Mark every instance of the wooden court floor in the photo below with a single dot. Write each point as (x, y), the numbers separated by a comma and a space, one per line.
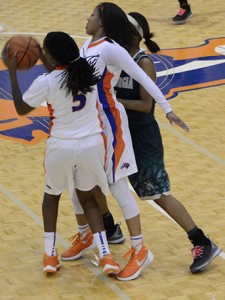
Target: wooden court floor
(195, 162)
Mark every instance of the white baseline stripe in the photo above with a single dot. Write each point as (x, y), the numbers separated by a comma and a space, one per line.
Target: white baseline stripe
(197, 147)
(193, 144)
(157, 207)
(37, 33)
(188, 141)
(152, 203)
(60, 239)
(194, 65)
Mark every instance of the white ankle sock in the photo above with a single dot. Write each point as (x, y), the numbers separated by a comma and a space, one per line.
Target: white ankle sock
(83, 230)
(101, 242)
(136, 242)
(50, 241)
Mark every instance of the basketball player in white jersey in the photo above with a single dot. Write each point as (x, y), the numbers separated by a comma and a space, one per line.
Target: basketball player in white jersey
(75, 149)
(111, 33)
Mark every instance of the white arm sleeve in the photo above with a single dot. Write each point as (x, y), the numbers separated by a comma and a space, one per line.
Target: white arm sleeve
(116, 55)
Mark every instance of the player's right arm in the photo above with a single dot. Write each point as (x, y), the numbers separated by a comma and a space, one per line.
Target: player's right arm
(21, 107)
(116, 55)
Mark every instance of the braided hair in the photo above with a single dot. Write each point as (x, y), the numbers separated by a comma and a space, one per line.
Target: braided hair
(147, 35)
(79, 75)
(116, 24)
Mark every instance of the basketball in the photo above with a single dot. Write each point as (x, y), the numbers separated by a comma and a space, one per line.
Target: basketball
(27, 49)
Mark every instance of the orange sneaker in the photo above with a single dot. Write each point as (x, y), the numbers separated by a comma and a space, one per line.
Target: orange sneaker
(109, 264)
(51, 263)
(138, 261)
(79, 246)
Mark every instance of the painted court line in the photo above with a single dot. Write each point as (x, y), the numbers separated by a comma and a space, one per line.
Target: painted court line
(198, 148)
(38, 220)
(190, 142)
(37, 34)
(157, 207)
(161, 124)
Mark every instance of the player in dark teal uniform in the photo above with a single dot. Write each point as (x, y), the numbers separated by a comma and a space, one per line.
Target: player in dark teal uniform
(184, 13)
(152, 181)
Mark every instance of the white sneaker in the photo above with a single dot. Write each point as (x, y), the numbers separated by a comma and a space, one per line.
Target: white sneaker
(1, 28)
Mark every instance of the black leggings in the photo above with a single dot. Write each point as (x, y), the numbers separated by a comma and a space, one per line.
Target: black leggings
(183, 2)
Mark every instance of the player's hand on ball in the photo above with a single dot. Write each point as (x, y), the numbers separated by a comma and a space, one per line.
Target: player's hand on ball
(27, 51)
(9, 60)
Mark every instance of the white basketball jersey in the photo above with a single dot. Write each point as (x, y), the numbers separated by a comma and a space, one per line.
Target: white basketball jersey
(120, 160)
(109, 73)
(70, 117)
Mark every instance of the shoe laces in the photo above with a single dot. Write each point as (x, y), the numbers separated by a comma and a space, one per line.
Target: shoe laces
(129, 253)
(108, 258)
(132, 251)
(181, 11)
(131, 263)
(50, 258)
(75, 239)
(197, 252)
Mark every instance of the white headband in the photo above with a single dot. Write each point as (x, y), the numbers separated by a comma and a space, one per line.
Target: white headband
(136, 25)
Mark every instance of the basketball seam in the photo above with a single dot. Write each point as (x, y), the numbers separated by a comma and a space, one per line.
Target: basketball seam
(25, 52)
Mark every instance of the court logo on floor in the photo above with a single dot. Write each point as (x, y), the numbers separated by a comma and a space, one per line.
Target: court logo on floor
(178, 70)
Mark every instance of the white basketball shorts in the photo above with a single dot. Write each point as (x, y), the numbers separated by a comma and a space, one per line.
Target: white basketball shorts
(71, 164)
(120, 159)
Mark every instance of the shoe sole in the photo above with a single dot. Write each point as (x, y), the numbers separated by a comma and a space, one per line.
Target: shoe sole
(51, 269)
(147, 262)
(118, 241)
(92, 246)
(184, 21)
(111, 271)
(203, 267)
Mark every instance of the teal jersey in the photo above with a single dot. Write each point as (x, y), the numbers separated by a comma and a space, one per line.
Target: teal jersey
(128, 88)
(151, 180)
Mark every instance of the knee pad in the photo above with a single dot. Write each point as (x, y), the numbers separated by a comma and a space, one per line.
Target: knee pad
(124, 197)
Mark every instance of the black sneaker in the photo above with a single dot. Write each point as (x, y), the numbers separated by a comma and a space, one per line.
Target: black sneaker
(203, 255)
(183, 14)
(117, 237)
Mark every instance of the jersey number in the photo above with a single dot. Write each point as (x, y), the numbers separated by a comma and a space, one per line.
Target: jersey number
(79, 101)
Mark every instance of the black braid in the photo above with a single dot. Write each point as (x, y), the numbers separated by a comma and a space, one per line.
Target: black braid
(78, 76)
(116, 25)
(147, 35)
